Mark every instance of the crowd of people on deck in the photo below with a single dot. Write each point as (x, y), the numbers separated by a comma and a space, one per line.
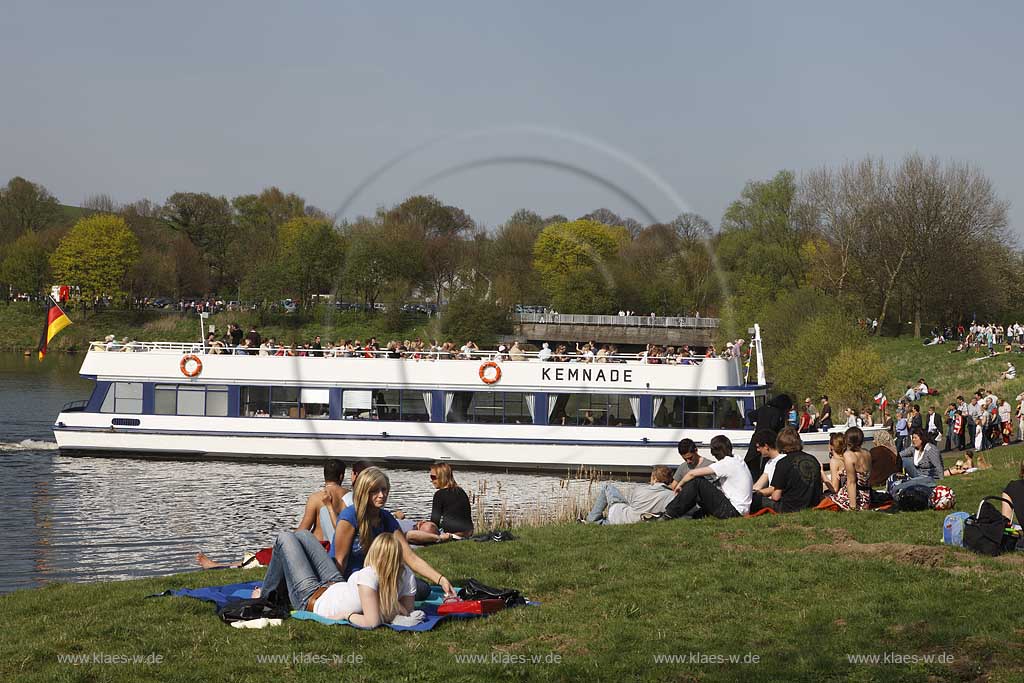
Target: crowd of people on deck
(234, 341)
(351, 558)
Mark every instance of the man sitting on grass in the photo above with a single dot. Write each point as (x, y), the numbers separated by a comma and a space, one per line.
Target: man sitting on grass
(731, 500)
(612, 507)
(691, 460)
(796, 483)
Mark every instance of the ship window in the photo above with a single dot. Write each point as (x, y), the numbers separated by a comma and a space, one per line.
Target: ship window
(493, 407)
(255, 401)
(696, 412)
(316, 403)
(406, 405)
(123, 397)
(190, 399)
(284, 402)
(585, 410)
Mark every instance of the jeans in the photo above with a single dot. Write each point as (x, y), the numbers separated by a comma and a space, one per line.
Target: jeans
(302, 563)
(705, 494)
(608, 494)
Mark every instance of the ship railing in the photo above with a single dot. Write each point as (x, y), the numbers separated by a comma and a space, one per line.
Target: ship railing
(75, 406)
(478, 355)
(685, 322)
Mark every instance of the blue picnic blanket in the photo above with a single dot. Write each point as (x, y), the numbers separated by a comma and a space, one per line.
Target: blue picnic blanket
(221, 595)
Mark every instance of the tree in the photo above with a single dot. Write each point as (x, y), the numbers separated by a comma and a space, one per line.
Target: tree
(575, 264)
(764, 231)
(207, 221)
(311, 256)
(25, 206)
(508, 257)
(443, 230)
(380, 257)
(102, 203)
(853, 376)
(471, 315)
(26, 267)
(95, 256)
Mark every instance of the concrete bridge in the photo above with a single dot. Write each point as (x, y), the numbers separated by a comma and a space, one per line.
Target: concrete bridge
(614, 329)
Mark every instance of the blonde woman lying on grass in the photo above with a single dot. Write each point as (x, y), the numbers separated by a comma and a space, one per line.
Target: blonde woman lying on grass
(381, 592)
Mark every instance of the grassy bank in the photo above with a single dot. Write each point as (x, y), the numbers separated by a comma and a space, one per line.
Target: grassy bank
(21, 324)
(799, 592)
(950, 373)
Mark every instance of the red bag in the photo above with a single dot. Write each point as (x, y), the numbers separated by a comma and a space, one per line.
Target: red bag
(471, 606)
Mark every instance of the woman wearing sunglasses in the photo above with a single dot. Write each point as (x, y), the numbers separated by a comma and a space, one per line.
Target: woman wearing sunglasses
(359, 524)
(450, 511)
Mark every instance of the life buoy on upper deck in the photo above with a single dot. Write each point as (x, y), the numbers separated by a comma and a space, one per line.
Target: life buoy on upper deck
(490, 378)
(191, 361)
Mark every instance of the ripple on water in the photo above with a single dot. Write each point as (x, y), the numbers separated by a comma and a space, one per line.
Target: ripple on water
(89, 519)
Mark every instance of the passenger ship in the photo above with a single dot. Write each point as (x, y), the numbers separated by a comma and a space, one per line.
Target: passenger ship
(183, 400)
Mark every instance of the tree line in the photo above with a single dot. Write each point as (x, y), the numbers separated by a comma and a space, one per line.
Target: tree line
(922, 241)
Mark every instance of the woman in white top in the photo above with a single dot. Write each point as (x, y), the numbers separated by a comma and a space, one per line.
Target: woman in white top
(377, 593)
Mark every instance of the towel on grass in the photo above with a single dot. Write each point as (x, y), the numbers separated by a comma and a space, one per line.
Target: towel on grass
(221, 595)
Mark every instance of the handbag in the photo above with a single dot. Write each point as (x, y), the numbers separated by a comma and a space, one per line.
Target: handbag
(474, 590)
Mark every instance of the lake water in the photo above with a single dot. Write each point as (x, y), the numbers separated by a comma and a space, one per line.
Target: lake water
(89, 519)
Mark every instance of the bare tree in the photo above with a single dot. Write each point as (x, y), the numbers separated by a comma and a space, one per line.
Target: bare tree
(101, 203)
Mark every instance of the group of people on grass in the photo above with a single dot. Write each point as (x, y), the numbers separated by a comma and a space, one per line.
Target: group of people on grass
(783, 478)
(367, 574)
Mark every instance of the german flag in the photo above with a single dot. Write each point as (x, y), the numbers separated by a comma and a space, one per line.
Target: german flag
(56, 320)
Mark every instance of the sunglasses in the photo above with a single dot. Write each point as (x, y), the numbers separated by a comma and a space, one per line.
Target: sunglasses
(433, 477)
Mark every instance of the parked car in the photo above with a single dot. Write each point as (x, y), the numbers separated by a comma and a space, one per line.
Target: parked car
(161, 302)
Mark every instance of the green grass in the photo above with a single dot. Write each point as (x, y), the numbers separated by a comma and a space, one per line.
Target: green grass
(21, 324)
(800, 591)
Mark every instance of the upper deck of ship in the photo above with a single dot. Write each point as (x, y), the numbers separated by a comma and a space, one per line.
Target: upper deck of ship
(161, 362)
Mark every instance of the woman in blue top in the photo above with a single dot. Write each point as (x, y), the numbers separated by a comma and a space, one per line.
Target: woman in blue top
(359, 524)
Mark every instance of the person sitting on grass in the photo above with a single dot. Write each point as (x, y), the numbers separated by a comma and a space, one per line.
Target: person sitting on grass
(796, 483)
(691, 460)
(764, 443)
(852, 485)
(378, 593)
(731, 500)
(450, 509)
(323, 507)
(885, 461)
(1013, 497)
(921, 461)
(614, 507)
(359, 524)
(830, 471)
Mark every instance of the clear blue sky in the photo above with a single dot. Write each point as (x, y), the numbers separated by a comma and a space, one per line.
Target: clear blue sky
(144, 99)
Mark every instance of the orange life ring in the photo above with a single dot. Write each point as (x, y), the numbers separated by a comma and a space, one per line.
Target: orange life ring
(191, 358)
(483, 372)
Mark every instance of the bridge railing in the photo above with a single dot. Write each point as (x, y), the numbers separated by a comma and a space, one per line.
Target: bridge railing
(691, 322)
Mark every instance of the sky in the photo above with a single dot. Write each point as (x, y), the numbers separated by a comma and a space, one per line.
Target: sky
(648, 109)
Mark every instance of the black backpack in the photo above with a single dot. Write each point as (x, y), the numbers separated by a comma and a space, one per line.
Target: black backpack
(983, 532)
(914, 498)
